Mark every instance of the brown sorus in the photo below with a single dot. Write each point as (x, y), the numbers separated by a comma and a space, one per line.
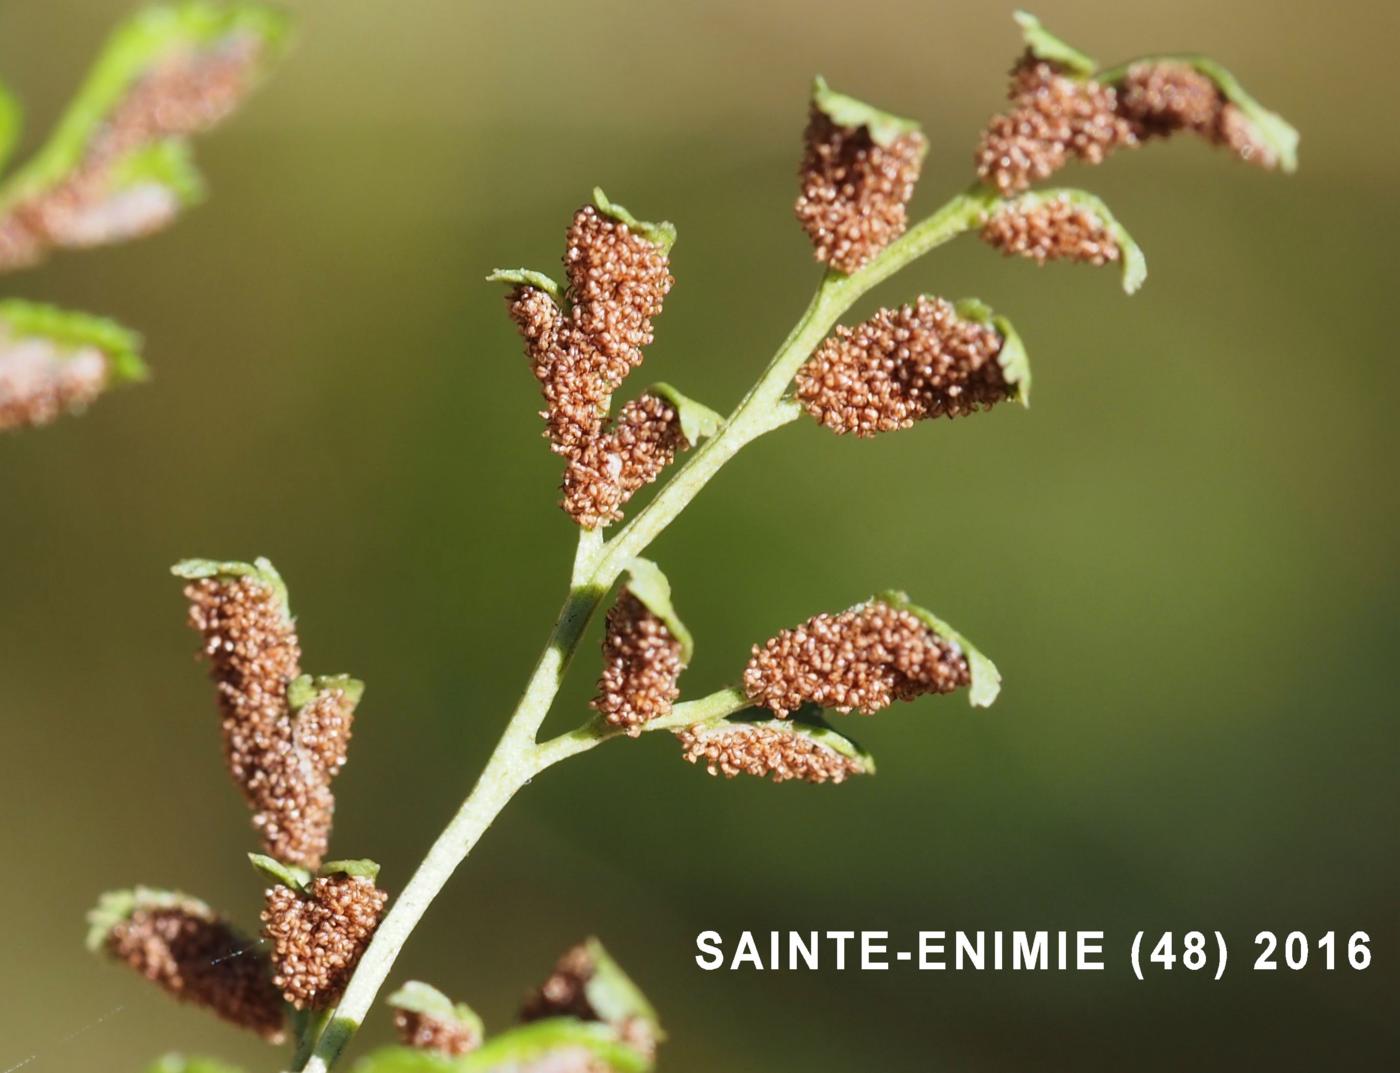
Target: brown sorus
(854, 192)
(1051, 229)
(731, 749)
(641, 666)
(863, 659)
(199, 958)
(1053, 117)
(901, 366)
(319, 936)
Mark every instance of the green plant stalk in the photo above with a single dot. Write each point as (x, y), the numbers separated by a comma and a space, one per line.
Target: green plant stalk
(518, 757)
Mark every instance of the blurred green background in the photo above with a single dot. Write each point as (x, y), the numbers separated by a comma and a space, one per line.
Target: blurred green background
(1182, 557)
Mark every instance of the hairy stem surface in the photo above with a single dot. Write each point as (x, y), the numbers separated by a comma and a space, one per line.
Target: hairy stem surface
(517, 758)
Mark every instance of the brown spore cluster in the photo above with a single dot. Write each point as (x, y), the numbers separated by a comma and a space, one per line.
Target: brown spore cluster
(199, 958)
(40, 380)
(1163, 97)
(641, 666)
(862, 659)
(731, 749)
(1054, 118)
(626, 456)
(282, 760)
(1051, 229)
(565, 994)
(426, 1033)
(855, 192)
(581, 354)
(319, 936)
(186, 93)
(901, 366)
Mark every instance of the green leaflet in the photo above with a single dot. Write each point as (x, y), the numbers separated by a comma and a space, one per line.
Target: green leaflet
(407, 1060)
(168, 163)
(298, 878)
(362, 867)
(176, 1063)
(533, 1041)
(11, 123)
(418, 997)
(529, 277)
(698, 421)
(516, 1049)
(115, 906)
(71, 330)
(649, 585)
(138, 46)
(1046, 46)
(288, 875)
(662, 234)
(885, 129)
(1014, 361)
(260, 570)
(986, 679)
(613, 995)
(302, 691)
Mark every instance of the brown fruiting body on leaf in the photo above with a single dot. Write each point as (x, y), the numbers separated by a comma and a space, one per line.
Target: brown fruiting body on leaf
(618, 281)
(199, 958)
(40, 380)
(641, 666)
(1162, 98)
(1054, 117)
(425, 1033)
(1236, 131)
(318, 938)
(254, 653)
(862, 659)
(565, 994)
(322, 728)
(902, 366)
(282, 762)
(1051, 230)
(621, 461)
(854, 192)
(186, 94)
(731, 749)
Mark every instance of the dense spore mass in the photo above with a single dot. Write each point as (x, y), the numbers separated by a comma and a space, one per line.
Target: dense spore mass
(185, 94)
(625, 456)
(41, 380)
(199, 958)
(426, 1033)
(732, 749)
(862, 659)
(901, 366)
(1054, 117)
(581, 353)
(641, 666)
(1162, 97)
(1051, 229)
(565, 994)
(319, 936)
(282, 760)
(855, 192)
